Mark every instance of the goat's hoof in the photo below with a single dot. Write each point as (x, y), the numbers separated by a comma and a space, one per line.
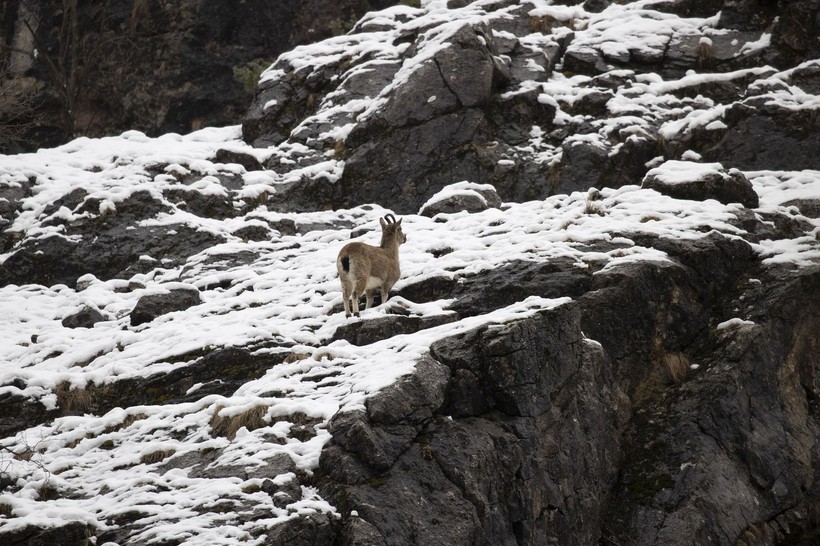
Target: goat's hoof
(355, 314)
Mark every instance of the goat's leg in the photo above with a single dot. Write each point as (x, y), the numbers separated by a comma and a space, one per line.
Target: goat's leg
(346, 298)
(358, 290)
(369, 298)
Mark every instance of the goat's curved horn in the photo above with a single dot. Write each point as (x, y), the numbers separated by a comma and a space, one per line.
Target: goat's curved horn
(390, 219)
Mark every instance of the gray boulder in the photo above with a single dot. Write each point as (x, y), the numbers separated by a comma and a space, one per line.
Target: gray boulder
(86, 317)
(697, 181)
(155, 305)
(462, 196)
(766, 134)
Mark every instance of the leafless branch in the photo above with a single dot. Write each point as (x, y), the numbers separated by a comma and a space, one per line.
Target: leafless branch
(19, 114)
(70, 57)
(29, 454)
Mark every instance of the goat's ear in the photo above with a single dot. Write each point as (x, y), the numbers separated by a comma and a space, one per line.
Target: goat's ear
(399, 222)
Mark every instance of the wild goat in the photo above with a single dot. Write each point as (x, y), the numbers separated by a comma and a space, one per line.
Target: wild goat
(364, 268)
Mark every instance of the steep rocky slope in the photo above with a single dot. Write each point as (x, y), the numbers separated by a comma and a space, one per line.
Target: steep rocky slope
(606, 331)
(410, 104)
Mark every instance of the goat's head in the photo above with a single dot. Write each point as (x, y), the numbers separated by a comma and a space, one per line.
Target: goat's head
(391, 230)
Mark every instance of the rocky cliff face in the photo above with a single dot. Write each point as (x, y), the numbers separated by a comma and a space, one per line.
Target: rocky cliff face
(144, 64)
(606, 331)
(484, 102)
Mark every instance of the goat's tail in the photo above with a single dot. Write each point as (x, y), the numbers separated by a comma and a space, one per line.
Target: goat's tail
(346, 264)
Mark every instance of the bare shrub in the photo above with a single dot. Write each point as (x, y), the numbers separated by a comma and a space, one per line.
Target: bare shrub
(24, 461)
(18, 110)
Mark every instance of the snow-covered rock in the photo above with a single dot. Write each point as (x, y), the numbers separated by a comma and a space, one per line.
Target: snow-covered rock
(699, 181)
(413, 99)
(461, 196)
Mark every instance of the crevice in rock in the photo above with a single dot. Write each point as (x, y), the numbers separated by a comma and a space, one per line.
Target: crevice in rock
(449, 87)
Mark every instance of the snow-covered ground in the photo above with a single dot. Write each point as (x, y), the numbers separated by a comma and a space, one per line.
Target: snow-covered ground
(287, 295)
(287, 299)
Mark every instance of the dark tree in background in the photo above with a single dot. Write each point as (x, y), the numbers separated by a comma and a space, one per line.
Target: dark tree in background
(97, 67)
(50, 53)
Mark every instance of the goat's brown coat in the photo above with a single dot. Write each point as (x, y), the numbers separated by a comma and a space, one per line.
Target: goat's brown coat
(365, 268)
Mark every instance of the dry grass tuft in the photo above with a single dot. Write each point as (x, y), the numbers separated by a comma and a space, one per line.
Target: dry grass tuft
(127, 422)
(131, 419)
(251, 419)
(24, 455)
(73, 401)
(47, 492)
(323, 355)
(594, 207)
(157, 456)
(675, 367)
(340, 149)
(541, 23)
(554, 177)
(663, 144)
(295, 357)
(705, 53)
(260, 199)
